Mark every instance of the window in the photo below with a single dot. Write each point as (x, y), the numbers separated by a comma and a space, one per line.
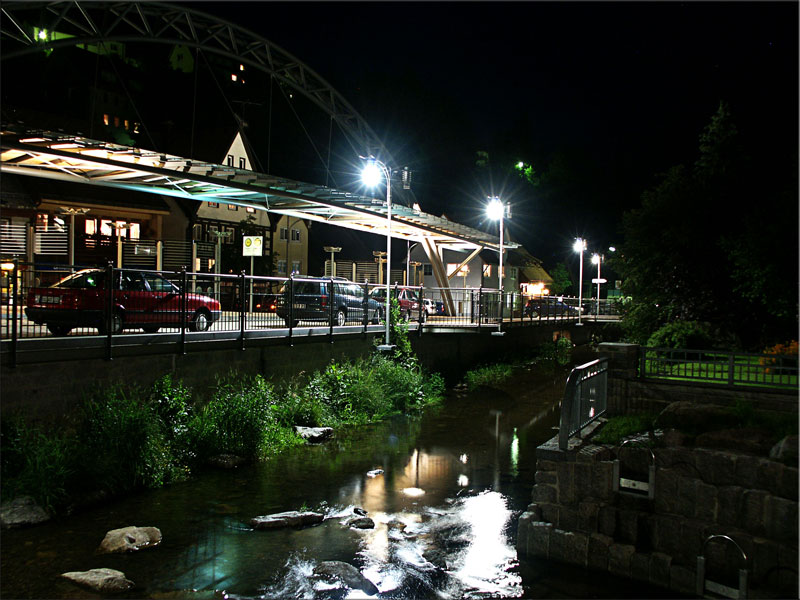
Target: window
(197, 233)
(295, 267)
(487, 270)
(283, 233)
(513, 272)
(427, 269)
(295, 235)
(281, 267)
(242, 163)
(106, 119)
(116, 121)
(232, 207)
(230, 160)
(159, 284)
(250, 209)
(213, 205)
(91, 226)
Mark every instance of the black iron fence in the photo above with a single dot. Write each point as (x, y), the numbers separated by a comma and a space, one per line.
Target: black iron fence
(585, 399)
(714, 366)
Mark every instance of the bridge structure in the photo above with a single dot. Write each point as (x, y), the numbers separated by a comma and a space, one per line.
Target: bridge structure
(31, 27)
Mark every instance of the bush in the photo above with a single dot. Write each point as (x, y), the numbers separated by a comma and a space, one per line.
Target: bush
(35, 463)
(618, 428)
(692, 335)
(489, 375)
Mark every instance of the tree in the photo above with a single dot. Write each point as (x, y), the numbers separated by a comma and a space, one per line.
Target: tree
(561, 279)
(232, 259)
(696, 249)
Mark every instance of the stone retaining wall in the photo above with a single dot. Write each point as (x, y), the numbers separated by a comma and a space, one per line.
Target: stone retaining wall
(576, 517)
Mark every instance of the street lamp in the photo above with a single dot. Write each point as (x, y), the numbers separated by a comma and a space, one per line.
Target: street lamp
(371, 176)
(65, 210)
(579, 246)
(596, 260)
(333, 250)
(496, 209)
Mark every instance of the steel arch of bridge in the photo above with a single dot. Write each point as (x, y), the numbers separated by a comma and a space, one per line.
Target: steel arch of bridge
(159, 22)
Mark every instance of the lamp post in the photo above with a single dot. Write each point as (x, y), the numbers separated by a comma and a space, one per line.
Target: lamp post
(496, 209)
(120, 227)
(333, 250)
(579, 246)
(409, 247)
(371, 175)
(596, 260)
(220, 235)
(72, 212)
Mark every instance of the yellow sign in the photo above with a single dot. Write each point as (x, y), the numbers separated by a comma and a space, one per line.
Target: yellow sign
(252, 245)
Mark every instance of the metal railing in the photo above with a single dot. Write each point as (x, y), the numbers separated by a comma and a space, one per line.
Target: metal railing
(585, 399)
(713, 366)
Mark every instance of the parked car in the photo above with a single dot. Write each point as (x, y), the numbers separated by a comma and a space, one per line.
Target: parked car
(407, 298)
(313, 301)
(549, 306)
(433, 307)
(141, 299)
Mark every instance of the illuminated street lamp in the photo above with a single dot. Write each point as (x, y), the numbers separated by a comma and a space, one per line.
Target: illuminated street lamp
(496, 209)
(596, 260)
(371, 176)
(333, 250)
(579, 246)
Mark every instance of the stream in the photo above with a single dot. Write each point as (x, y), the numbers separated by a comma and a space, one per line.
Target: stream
(445, 491)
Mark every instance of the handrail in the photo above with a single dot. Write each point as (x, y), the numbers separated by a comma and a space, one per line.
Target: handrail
(578, 408)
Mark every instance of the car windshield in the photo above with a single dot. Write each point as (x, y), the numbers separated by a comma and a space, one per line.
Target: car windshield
(88, 280)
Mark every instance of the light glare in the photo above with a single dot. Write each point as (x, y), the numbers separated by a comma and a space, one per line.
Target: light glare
(494, 210)
(371, 174)
(579, 245)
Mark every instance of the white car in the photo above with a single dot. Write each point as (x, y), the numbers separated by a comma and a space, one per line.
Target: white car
(429, 306)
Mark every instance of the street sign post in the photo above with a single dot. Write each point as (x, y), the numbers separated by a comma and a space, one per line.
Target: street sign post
(252, 245)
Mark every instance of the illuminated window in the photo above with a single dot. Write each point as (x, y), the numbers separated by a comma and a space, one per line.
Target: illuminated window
(127, 124)
(135, 127)
(106, 119)
(106, 228)
(233, 77)
(232, 207)
(295, 267)
(250, 209)
(487, 270)
(91, 226)
(241, 67)
(213, 205)
(242, 163)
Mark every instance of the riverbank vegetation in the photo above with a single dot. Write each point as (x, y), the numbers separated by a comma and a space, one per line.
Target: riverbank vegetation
(129, 437)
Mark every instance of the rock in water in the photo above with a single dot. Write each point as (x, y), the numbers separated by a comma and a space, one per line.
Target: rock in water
(101, 580)
(347, 574)
(22, 511)
(290, 518)
(128, 539)
(361, 523)
(314, 435)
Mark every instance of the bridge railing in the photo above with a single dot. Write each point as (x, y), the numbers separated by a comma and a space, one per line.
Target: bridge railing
(585, 399)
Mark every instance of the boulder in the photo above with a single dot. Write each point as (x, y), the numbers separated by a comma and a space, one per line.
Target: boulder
(101, 580)
(129, 539)
(291, 518)
(347, 574)
(785, 450)
(753, 441)
(361, 523)
(696, 418)
(226, 461)
(359, 511)
(22, 511)
(314, 435)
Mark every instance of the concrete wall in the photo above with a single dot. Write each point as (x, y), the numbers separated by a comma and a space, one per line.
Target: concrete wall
(48, 389)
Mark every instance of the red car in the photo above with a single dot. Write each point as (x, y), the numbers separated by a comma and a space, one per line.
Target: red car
(142, 299)
(406, 298)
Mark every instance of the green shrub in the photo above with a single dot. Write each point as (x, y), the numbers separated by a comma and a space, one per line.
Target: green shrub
(618, 428)
(488, 375)
(692, 335)
(123, 442)
(35, 463)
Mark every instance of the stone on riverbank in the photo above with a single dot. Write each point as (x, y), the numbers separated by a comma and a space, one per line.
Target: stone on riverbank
(314, 435)
(361, 523)
(347, 574)
(130, 539)
(696, 418)
(101, 580)
(291, 518)
(786, 450)
(22, 511)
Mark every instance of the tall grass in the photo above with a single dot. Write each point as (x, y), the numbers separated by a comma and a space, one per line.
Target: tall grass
(124, 438)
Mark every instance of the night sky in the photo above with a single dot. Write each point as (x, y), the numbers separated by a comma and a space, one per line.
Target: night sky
(625, 87)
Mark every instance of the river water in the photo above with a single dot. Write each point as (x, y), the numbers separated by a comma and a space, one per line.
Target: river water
(444, 490)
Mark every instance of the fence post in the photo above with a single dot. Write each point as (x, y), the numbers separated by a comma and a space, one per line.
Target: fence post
(331, 302)
(422, 308)
(480, 306)
(642, 361)
(290, 281)
(14, 307)
(184, 306)
(109, 316)
(365, 308)
(242, 305)
(731, 365)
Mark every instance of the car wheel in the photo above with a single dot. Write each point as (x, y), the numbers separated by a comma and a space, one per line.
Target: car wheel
(201, 321)
(117, 324)
(57, 329)
(341, 318)
(150, 328)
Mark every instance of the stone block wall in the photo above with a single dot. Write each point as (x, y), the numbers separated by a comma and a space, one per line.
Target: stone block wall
(576, 517)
